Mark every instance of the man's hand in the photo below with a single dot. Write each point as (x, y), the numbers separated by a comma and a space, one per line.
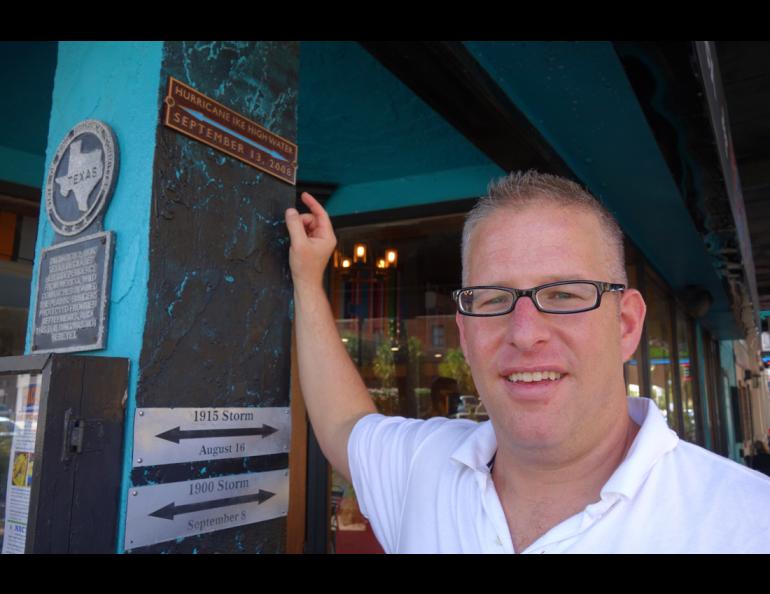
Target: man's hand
(312, 243)
(334, 393)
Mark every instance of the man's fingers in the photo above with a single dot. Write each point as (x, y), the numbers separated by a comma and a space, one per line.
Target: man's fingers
(295, 225)
(312, 242)
(314, 206)
(306, 226)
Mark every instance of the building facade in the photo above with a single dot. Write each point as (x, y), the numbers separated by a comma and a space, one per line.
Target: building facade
(398, 140)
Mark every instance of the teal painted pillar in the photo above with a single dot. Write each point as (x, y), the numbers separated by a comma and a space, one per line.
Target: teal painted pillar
(201, 294)
(704, 389)
(728, 378)
(116, 83)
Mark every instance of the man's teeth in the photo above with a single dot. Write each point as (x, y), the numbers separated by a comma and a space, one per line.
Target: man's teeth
(533, 376)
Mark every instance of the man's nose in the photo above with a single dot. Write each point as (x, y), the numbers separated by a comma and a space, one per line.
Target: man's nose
(526, 325)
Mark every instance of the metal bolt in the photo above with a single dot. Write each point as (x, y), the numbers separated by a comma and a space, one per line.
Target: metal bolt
(134, 493)
(139, 461)
(141, 413)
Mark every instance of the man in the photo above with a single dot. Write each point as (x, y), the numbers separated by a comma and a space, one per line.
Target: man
(567, 463)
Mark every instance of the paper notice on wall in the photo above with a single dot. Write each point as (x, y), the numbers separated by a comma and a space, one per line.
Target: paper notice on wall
(21, 463)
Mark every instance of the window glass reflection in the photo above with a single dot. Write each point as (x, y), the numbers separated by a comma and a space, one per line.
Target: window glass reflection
(686, 379)
(396, 317)
(19, 409)
(660, 353)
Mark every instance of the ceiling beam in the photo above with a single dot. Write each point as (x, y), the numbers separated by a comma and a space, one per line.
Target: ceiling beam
(448, 78)
(712, 84)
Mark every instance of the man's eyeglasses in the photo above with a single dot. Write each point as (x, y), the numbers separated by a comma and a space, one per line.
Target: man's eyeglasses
(563, 297)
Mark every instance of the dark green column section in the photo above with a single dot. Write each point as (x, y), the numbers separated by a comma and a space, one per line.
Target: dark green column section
(218, 330)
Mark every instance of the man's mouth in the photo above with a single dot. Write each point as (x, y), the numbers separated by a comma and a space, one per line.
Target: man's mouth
(533, 376)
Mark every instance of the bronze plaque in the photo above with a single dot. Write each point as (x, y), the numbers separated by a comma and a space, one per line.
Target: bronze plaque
(210, 122)
(72, 297)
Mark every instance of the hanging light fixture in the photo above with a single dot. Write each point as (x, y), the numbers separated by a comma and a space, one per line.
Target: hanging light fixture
(361, 257)
(359, 253)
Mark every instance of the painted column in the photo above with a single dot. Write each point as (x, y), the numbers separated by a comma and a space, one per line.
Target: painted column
(704, 387)
(201, 296)
(729, 380)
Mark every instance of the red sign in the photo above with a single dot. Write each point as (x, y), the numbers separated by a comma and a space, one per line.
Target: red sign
(211, 123)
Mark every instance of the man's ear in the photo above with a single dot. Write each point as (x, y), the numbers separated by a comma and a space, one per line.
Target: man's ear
(632, 312)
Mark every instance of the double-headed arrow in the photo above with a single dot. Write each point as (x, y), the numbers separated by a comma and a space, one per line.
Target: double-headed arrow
(171, 510)
(176, 434)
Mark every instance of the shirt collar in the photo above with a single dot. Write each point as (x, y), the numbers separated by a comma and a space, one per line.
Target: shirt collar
(653, 441)
(478, 449)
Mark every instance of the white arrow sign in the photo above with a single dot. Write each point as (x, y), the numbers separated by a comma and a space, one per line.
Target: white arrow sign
(158, 513)
(173, 435)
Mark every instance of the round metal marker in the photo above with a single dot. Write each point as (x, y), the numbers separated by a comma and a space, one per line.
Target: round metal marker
(81, 177)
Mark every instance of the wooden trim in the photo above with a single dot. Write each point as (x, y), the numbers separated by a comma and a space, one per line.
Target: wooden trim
(28, 193)
(404, 214)
(295, 537)
(19, 206)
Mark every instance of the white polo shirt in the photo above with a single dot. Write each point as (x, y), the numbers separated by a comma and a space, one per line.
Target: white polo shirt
(426, 487)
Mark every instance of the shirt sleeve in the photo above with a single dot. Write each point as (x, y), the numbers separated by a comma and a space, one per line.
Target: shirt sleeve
(380, 454)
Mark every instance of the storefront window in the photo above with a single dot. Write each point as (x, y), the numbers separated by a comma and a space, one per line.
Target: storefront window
(687, 379)
(17, 252)
(660, 344)
(391, 289)
(19, 409)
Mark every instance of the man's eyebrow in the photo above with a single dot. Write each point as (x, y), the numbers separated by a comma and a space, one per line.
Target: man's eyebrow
(555, 278)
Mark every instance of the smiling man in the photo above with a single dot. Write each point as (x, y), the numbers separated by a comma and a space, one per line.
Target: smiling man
(567, 463)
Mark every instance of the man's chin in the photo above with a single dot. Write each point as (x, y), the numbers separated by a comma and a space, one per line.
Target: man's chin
(528, 433)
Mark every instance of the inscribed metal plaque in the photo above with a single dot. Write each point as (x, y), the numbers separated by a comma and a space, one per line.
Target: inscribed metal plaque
(81, 177)
(72, 295)
(173, 435)
(158, 513)
(200, 117)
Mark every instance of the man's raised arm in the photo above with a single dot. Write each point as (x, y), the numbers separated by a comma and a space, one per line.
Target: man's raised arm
(335, 395)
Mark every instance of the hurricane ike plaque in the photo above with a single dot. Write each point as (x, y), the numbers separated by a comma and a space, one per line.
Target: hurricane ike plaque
(72, 295)
(200, 117)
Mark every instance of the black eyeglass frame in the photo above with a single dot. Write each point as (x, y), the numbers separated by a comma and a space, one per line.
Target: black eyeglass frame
(601, 289)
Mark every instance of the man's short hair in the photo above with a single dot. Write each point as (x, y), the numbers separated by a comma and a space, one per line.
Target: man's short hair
(523, 189)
